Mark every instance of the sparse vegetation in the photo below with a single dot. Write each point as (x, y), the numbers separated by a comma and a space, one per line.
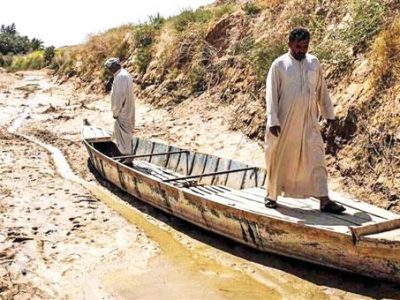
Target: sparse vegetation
(223, 10)
(385, 57)
(251, 8)
(367, 17)
(187, 17)
(32, 61)
(144, 36)
(197, 79)
(49, 54)
(64, 62)
(143, 58)
(87, 61)
(263, 56)
(156, 20)
(5, 60)
(245, 46)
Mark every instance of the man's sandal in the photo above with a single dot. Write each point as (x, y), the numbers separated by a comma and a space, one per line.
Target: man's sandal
(333, 207)
(270, 203)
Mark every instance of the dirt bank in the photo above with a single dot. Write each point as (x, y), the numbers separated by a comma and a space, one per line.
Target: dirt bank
(57, 240)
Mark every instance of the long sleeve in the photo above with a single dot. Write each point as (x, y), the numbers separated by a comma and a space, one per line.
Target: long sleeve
(272, 96)
(323, 99)
(118, 95)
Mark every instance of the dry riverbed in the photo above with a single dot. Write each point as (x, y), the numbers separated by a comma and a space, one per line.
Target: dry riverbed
(80, 238)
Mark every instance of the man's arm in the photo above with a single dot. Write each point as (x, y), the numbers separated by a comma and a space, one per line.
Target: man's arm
(272, 100)
(323, 99)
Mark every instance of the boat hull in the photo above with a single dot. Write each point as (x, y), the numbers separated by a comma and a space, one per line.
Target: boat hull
(263, 232)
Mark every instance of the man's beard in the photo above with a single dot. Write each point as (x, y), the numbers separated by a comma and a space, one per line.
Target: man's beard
(299, 56)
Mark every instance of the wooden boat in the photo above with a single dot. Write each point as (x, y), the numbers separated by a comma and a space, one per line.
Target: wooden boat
(226, 197)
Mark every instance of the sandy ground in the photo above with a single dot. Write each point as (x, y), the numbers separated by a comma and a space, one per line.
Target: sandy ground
(80, 238)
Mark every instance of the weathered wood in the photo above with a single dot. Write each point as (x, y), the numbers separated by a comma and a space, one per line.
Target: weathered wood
(93, 134)
(209, 174)
(362, 206)
(357, 232)
(354, 216)
(149, 155)
(296, 229)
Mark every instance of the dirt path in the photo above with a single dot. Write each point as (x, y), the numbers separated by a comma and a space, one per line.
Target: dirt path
(57, 240)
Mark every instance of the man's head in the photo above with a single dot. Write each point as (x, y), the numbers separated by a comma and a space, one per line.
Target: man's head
(112, 64)
(299, 39)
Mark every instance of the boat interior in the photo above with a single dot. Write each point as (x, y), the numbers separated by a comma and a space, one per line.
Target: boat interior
(242, 186)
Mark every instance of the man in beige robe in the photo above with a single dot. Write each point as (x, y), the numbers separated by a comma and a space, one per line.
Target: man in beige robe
(296, 96)
(122, 106)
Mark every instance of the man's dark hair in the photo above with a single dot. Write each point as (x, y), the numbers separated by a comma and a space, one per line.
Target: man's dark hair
(299, 34)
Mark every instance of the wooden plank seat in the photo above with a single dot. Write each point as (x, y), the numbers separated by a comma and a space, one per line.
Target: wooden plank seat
(96, 135)
(161, 173)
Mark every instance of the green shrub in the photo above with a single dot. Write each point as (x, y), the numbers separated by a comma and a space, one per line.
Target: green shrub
(222, 10)
(197, 78)
(156, 21)
(143, 58)
(188, 17)
(64, 62)
(366, 20)
(122, 51)
(5, 60)
(245, 46)
(36, 44)
(49, 54)
(251, 9)
(144, 35)
(32, 61)
(263, 56)
(368, 15)
(172, 73)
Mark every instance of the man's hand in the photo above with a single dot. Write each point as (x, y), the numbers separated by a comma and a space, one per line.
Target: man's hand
(330, 122)
(275, 130)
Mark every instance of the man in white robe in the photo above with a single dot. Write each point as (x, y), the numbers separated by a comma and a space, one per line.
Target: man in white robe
(296, 96)
(122, 106)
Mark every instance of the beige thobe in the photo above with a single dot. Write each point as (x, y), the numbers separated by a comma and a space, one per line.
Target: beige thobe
(296, 95)
(123, 109)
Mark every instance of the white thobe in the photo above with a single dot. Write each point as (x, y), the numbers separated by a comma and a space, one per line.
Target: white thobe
(123, 109)
(296, 95)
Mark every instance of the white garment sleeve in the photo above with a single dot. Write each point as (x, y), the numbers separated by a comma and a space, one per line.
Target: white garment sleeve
(323, 99)
(118, 95)
(272, 96)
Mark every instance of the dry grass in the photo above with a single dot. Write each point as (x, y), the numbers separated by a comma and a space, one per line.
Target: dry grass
(32, 61)
(86, 61)
(385, 57)
(113, 43)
